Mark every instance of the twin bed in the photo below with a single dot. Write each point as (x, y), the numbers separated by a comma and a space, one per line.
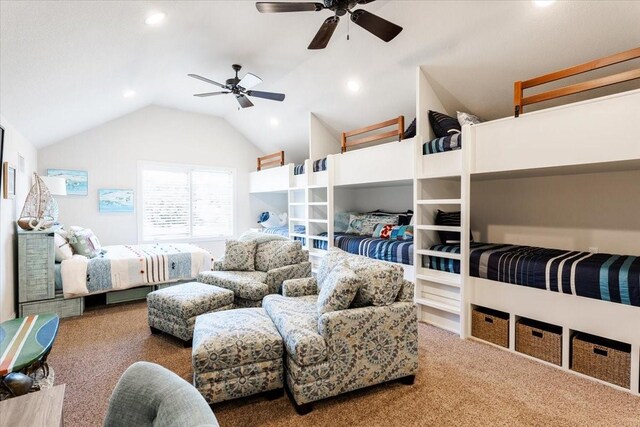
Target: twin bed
(123, 267)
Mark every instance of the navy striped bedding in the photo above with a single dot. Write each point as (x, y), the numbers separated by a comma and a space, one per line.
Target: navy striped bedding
(382, 249)
(441, 145)
(614, 278)
(318, 166)
(284, 230)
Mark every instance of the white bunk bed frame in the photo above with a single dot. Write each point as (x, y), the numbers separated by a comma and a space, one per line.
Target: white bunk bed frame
(510, 147)
(311, 194)
(516, 147)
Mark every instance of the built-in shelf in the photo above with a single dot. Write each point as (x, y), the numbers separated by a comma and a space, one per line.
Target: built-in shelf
(451, 280)
(323, 238)
(297, 204)
(439, 202)
(318, 204)
(438, 305)
(438, 254)
(304, 236)
(438, 228)
(297, 219)
(319, 221)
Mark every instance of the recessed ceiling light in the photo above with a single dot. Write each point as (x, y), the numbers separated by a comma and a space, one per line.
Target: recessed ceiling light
(543, 3)
(129, 93)
(274, 122)
(353, 86)
(155, 18)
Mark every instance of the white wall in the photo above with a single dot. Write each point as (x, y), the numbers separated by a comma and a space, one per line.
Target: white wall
(572, 212)
(14, 145)
(110, 153)
(365, 199)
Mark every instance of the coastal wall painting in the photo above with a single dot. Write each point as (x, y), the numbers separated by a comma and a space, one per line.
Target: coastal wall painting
(77, 181)
(115, 200)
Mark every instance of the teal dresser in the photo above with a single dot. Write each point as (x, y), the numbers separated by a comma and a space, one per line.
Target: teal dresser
(36, 277)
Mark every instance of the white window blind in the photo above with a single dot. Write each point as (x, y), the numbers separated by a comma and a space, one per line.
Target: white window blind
(180, 202)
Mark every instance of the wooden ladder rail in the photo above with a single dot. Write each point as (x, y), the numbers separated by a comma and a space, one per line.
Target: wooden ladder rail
(272, 159)
(399, 132)
(519, 100)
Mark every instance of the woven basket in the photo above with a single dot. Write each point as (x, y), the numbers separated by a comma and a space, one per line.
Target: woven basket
(603, 359)
(540, 340)
(490, 325)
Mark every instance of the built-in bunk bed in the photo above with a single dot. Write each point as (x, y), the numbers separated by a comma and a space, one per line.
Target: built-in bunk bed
(578, 296)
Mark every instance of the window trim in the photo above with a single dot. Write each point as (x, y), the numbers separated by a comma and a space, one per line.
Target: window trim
(182, 167)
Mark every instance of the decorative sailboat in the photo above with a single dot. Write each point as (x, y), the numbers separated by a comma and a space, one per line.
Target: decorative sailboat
(40, 210)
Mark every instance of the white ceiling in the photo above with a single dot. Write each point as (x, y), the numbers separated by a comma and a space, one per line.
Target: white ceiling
(64, 65)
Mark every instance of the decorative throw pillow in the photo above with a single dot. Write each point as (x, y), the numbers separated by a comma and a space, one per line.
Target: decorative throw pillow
(341, 221)
(365, 223)
(442, 124)
(467, 119)
(401, 232)
(287, 253)
(404, 218)
(84, 242)
(411, 130)
(382, 231)
(338, 289)
(62, 247)
(450, 219)
(333, 257)
(239, 256)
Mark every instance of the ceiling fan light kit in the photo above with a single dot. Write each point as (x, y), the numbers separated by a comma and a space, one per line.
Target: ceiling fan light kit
(240, 88)
(376, 25)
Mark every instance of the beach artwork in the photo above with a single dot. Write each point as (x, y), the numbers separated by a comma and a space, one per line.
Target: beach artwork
(77, 181)
(115, 200)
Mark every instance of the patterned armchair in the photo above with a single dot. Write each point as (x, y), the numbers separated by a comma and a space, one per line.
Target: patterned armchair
(276, 259)
(372, 340)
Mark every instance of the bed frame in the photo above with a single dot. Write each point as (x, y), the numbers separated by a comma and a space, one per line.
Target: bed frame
(273, 159)
(518, 91)
(397, 132)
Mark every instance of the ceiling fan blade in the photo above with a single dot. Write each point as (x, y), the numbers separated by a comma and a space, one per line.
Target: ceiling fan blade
(266, 95)
(277, 6)
(244, 101)
(204, 79)
(321, 40)
(210, 94)
(377, 26)
(249, 81)
(365, 1)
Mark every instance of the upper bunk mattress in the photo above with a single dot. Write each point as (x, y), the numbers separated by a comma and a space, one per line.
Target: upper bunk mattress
(318, 166)
(442, 145)
(614, 278)
(400, 251)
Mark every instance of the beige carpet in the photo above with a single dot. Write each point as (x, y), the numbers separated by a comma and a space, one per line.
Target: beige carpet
(460, 383)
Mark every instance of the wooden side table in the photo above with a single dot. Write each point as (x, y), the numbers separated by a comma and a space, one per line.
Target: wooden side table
(42, 408)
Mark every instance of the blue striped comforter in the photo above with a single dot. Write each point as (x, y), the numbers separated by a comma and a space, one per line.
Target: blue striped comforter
(614, 278)
(381, 249)
(441, 145)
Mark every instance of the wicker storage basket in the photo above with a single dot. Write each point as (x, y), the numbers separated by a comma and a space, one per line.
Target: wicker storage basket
(602, 358)
(490, 325)
(540, 340)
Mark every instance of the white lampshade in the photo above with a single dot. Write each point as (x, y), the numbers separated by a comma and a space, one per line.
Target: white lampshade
(57, 186)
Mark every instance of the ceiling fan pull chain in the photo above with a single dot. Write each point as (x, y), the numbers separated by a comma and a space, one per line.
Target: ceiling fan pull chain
(348, 28)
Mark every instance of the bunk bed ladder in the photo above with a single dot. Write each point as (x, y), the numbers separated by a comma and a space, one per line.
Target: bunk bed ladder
(440, 295)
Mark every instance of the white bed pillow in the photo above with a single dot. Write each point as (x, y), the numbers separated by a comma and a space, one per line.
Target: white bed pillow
(62, 246)
(467, 119)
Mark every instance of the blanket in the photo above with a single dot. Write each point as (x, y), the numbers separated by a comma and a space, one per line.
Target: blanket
(127, 266)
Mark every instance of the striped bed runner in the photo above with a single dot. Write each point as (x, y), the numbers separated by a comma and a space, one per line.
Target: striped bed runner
(25, 340)
(154, 263)
(607, 277)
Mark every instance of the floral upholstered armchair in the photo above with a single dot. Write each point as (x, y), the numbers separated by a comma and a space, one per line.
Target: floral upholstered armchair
(256, 265)
(353, 326)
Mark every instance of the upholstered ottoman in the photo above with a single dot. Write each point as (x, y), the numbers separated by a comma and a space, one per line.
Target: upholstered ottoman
(237, 353)
(174, 309)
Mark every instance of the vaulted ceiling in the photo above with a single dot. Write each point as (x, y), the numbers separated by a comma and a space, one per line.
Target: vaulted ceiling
(64, 65)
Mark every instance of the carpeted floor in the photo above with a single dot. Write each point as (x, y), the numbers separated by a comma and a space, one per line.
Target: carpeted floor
(460, 383)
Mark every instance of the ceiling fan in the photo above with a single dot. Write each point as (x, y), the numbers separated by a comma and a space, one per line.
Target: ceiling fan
(377, 26)
(239, 88)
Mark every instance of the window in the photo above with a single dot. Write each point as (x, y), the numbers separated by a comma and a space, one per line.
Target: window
(185, 202)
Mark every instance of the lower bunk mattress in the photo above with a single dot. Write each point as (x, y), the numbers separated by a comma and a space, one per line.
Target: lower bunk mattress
(399, 251)
(614, 278)
(127, 266)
